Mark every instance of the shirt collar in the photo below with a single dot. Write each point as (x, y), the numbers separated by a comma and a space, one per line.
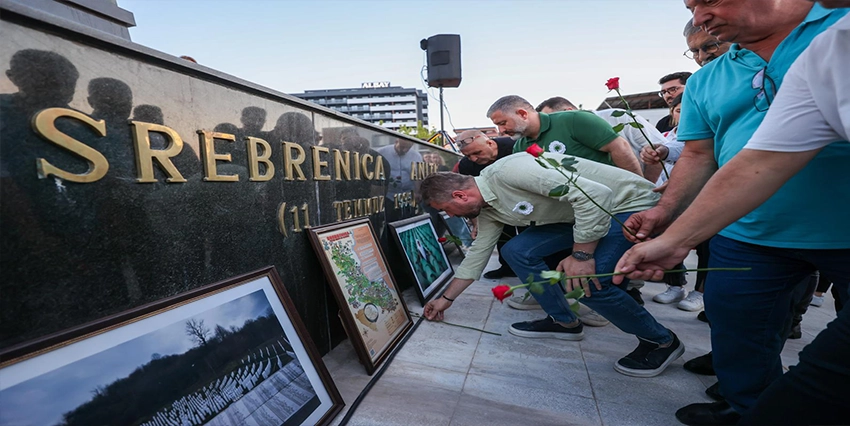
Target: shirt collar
(485, 190)
(544, 124)
(816, 13)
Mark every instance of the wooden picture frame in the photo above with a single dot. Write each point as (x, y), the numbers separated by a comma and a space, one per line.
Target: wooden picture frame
(371, 307)
(428, 266)
(231, 352)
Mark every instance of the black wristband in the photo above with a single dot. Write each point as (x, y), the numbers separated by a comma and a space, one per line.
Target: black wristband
(444, 297)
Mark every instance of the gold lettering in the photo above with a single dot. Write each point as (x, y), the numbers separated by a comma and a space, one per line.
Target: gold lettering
(318, 163)
(342, 164)
(44, 124)
(364, 162)
(305, 210)
(210, 156)
(254, 160)
(145, 155)
(291, 163)
(356, 166)
(379, 174)
(338, 206)
(359, 207)
(381, 201)
(295, 219)
(421, 170)
(281, 219)
(347, 209)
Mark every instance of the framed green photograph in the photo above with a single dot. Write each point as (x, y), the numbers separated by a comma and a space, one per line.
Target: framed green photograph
(427, 262)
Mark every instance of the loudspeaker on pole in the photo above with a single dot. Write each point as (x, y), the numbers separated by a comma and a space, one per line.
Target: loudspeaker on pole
(443, 53)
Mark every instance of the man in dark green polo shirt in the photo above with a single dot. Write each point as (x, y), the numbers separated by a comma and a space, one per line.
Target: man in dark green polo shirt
(578, 133)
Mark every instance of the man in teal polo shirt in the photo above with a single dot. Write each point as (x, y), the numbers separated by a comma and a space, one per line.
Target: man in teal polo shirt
(578, 133)
(801, 228)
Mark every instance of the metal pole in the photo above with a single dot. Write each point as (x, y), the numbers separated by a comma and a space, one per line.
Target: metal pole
(442, 126)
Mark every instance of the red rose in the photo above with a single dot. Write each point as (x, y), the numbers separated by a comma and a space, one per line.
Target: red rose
(442, 239)
(502, 292)
(535, 150)
(613, 83)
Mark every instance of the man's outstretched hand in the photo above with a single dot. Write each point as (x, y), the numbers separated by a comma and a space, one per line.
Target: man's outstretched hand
(649, 260)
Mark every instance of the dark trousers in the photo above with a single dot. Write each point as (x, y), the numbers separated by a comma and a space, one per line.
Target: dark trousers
(508, 232)
(813, 392)
(750, 310)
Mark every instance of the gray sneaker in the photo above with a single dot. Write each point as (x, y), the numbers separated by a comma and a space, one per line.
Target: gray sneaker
(590, 317)
(524, 302)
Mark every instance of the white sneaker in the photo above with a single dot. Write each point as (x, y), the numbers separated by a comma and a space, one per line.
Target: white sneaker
(817, 301)
(691, 303)
(523, 302)
(671, 295)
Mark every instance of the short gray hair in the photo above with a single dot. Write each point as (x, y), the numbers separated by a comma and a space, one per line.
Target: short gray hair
(509, 103)
(439, 186)
(690, 29)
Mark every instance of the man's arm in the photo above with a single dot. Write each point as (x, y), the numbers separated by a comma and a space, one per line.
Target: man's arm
(622, 155)
(435, 308)
(692, 171)
(743, 184)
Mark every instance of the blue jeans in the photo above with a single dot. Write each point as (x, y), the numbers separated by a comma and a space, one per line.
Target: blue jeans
(525, 254)
(749, 311)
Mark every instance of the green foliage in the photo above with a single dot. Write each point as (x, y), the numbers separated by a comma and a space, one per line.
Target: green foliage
(560, 190)
(636, 125)
(536, 288)
(575, 294)
(619, 128)
(618, 113)
(568, 162)
(420, 132)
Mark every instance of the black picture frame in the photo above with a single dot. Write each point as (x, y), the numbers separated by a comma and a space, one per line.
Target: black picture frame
(232, 351)
(372, 310)
(427, 263)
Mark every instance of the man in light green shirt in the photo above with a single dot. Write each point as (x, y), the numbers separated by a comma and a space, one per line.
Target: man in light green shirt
(515, 191)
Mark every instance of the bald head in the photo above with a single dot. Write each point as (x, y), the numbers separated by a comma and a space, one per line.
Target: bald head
(476, 146)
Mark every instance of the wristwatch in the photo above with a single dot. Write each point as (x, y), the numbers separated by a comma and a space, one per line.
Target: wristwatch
(582, 255)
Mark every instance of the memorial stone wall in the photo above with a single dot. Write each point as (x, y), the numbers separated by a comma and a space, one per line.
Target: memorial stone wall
(128, 176)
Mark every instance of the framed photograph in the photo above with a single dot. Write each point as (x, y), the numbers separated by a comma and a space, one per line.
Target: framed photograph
(427, 262)
(372, 310)
(234, 352)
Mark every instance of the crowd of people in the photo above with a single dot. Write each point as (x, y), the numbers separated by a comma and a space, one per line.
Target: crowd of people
(758, 136)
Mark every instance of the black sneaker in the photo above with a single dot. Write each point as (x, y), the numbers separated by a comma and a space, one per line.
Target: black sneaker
(703, 365)
(702, 317)
(649, 359)
(547, 328)
(502, 272)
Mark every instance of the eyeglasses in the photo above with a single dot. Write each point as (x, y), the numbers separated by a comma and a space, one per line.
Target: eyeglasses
(707, 48)
(766, 90)
(672, 91)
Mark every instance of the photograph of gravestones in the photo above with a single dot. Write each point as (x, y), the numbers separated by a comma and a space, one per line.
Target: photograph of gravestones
(424, 253)
(229, 365)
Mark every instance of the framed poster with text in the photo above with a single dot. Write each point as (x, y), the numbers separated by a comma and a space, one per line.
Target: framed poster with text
(372, 310)
(234, 352)
(427, 263)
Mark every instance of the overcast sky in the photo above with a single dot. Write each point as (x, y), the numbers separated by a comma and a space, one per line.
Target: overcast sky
(533, 48)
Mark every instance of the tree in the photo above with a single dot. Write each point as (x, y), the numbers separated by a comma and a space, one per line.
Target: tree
(197, 331)
(420, 132)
